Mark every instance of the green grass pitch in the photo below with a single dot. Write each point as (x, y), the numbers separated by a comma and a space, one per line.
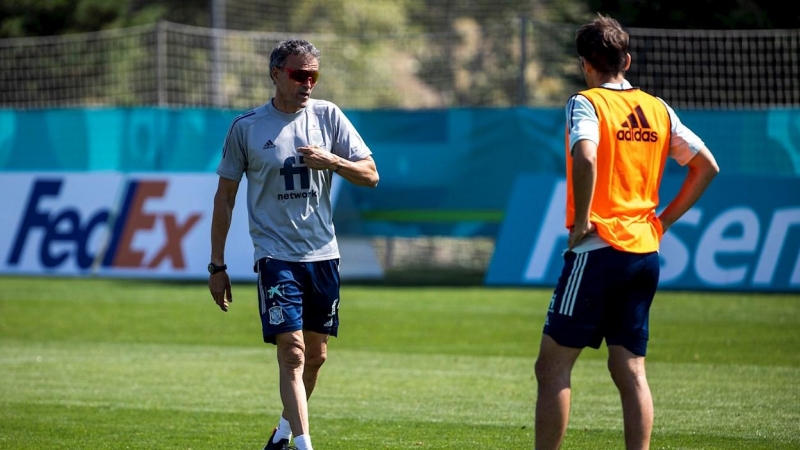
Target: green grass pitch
(124, 364)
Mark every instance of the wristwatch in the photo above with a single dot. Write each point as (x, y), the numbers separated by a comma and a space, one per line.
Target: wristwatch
(213, 268)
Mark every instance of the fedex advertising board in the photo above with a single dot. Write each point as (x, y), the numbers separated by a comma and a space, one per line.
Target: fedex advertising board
(109, 224)
(55, 223)
(743, 235)
(134, 225)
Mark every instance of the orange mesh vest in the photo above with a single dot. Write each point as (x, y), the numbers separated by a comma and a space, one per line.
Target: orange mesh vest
(634, 143)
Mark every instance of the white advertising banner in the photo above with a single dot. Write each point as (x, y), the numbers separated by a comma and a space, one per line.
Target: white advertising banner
(152, 225)
(55, 223)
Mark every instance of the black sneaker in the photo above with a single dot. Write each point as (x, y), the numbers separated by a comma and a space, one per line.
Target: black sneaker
(283, 444)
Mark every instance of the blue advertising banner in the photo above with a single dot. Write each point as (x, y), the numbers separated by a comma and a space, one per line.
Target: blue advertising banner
(743, 235)
(444, 172)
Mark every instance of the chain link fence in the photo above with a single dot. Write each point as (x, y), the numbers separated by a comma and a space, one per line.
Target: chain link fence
(510, 62)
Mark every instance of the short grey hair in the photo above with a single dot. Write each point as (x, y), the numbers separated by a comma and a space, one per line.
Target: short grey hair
(283, 49)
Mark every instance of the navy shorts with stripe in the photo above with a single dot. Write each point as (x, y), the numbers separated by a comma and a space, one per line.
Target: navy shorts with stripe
(296, 296)
(604, 294)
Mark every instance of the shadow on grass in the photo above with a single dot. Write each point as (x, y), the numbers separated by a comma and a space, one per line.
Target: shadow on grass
(424, 277)
(396, 277)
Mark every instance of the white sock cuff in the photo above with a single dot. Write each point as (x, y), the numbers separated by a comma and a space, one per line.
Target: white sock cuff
(303, 442)
(284, 430)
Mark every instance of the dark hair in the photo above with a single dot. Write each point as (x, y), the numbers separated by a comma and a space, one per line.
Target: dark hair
(604, 44)
(283, 49)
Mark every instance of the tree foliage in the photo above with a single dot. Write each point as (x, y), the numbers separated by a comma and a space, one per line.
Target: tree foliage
(411, 53)
(712, 14)
(22, 18)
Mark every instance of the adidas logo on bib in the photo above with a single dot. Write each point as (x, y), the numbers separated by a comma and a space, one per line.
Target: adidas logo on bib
(637, 128)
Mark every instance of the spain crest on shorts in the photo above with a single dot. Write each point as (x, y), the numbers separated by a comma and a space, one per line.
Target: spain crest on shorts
(276, 315)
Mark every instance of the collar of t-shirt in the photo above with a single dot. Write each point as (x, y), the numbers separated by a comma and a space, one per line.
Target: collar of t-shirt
(285, 116)
(618, 86)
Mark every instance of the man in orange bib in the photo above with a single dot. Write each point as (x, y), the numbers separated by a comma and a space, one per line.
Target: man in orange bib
(618, 141)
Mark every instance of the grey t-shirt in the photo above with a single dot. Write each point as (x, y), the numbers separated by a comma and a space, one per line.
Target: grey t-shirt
(289, 204)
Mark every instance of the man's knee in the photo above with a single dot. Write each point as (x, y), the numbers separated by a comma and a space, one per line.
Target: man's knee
(316, 359)
(555, 361)
(627, 369)
(316, 348)
(543, 370)
(291, 350)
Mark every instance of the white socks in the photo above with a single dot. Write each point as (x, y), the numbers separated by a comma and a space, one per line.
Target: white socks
(284, 430)
(303, 442)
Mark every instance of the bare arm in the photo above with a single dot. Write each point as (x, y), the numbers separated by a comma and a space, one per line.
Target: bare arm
(361, 173)
(584, 177)
(219, 283)
(702, 169)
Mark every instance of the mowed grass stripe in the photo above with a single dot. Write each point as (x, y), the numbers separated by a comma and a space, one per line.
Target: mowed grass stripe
(363, 386)
(222, 379)
(134, 364)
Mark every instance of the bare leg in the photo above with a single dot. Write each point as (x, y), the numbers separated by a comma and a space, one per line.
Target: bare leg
(553, 368)
(627, 371)
(315, 352)
(291, 362)
(316, 355)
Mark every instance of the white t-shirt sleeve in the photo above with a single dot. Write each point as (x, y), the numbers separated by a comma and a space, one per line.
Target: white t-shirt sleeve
(582, 121)
(683, 142)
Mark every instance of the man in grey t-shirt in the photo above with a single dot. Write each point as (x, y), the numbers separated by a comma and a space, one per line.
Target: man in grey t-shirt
(289, 150)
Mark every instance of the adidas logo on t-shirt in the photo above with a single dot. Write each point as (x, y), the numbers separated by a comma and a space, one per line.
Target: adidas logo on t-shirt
(268, 144)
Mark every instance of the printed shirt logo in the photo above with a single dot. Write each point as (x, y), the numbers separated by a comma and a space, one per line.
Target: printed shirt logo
(269, 144)
(637, 128)
(315, 137)
(296, 167)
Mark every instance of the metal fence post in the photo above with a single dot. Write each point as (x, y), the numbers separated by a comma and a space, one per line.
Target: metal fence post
(161, 63)
(522, 98)
(218, 26)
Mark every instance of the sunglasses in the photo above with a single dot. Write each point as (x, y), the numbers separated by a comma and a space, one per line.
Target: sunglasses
(301, 76)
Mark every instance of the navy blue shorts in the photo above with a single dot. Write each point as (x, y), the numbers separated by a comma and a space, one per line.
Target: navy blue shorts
(604, 294)
(296, 296)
